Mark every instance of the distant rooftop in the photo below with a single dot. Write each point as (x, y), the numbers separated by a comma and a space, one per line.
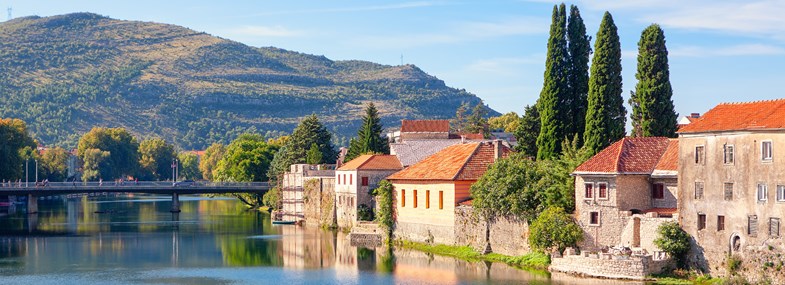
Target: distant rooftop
(425, 126)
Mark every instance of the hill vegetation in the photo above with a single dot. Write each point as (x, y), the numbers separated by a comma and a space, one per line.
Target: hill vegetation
(65, 74)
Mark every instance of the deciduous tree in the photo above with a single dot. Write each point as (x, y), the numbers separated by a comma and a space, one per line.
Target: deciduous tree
(13, 138)
(247, 158)
(122, 147)
(527, 131)
(54, 164)
(508, 122)
(212, 155)
(189, 166)
(155, 159)
(554, 229)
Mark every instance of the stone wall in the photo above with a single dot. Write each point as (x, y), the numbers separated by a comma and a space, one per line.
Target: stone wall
(507, 235)
(319, 202)
(424, 233)
(605, 265)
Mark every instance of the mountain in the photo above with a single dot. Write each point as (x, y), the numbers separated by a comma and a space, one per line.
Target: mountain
(65, 74)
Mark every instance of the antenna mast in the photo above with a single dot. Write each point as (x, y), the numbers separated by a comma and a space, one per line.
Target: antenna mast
(9, 13)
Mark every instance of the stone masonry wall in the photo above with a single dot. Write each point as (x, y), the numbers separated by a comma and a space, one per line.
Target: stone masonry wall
(424, 233)
(508, 235)
(319, 202)
(609, 266)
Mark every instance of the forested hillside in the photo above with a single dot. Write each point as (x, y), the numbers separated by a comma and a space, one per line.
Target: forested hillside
(65, 74)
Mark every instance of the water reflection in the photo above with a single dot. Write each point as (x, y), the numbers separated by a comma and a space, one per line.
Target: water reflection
(135, 239)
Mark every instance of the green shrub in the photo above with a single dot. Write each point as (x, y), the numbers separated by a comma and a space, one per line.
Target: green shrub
(554, 229)
(674, 241)
(733, 264)
(364, 213)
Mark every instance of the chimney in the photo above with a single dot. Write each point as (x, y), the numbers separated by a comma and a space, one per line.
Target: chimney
(695, 115)
(497, 150)
(463, 139)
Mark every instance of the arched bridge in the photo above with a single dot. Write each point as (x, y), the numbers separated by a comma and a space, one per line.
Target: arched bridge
(33, 191)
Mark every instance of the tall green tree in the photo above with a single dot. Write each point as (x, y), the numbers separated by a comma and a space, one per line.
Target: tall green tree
(509, 188)
(309, 131)
(459, 123)
(95, 164)
(477, 123)
(155, 159)
(247, 158)
(555, 89)
(122, 147)
(369, 136)
(313, 156)
(605, 116)
(508, 122)
(209, 162)
(653, 113)
(13, 138)
(579, 47)
(189, 166)
(527, 131)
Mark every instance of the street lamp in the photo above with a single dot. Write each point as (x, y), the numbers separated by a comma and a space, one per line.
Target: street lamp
(36, 171)
(27, 160)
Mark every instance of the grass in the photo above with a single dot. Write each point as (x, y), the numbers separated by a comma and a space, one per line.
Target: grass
(531, 261)
(688, 279)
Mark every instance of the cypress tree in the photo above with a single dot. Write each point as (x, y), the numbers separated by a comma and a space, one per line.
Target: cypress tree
(652, 108)
(554, 90)
(527, 131)
(605, 116)
(369, 136)
(579, 46)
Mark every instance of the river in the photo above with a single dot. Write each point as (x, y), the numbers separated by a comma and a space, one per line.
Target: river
(135, 240)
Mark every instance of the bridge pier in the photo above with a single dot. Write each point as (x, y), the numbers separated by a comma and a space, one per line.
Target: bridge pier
(32, 204)
(175, 203)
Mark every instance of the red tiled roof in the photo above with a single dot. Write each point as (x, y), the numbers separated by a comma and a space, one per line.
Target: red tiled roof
(457, 162)
(628, 155)
(662, 211)
(466, 202)
(425, 126)
(756, 115)
(373, 162)
(670, 159)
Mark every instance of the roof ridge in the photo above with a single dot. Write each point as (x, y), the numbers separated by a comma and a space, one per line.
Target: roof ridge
(620, 149)
(370, 156)
(468, 158)
(751, 102)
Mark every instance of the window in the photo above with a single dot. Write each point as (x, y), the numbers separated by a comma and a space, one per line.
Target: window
(427, 199)
(698, 190)
(720, 223)
(780, 193)
(364, 181)
(589, 193)
(700, 156)
(403, 198)
(603, 190)
(763, 192)
(339, 179)
(752, 225)
(350, 179)
(727, 156)
(774, 227)
(414, 204)
(441, 200)
(701, 221)
(594, 218)
(658, 191)
(728, 191)
(344, 179)
(765, 150)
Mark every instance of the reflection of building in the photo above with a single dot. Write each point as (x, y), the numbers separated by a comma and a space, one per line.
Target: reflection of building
(427, 192)
(624, 192)
(292, 187)
(354, 181)
(307, 247)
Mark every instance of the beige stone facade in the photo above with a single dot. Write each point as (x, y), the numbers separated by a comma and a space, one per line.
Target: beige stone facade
(292, 188)
(730, 216)
(353, 189)
(425, 210)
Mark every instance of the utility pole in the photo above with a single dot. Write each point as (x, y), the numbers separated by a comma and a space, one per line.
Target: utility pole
(173, 166)
(9, 13)
(26, 168)
(36, 171)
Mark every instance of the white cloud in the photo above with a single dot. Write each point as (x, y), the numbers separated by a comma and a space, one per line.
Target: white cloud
(405, 5)
(461, 32)
(265, 31)
(736, 50)
(504, 66)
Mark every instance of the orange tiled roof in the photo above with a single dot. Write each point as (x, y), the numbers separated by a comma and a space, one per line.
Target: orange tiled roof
(669, 159)
(756, 115)
(457, 162)
(662, 211)
(425, 126)
(373, 162)
(628, 155)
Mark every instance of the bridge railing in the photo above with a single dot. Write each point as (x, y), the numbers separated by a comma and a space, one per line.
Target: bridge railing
(138, 184)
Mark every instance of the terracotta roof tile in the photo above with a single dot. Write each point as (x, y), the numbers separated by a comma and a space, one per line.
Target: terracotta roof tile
(458, 162)
(628, 155)
(756, 115)
(662, 211)
(425, 126)
(670, 159)
(373, 162)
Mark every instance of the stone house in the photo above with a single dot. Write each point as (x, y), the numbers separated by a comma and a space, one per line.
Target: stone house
(732, 185)
(427, 193)
(624, 192)
(292, 187)
(354, 181)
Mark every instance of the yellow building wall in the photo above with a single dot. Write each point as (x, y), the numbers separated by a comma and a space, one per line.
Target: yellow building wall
(432, 215)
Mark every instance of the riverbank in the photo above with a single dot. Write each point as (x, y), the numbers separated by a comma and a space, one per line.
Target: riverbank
(534, 261)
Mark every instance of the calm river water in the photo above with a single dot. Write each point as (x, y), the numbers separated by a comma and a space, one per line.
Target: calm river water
(135, 240)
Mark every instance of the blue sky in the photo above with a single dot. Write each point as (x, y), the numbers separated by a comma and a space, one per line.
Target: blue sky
(720, 51)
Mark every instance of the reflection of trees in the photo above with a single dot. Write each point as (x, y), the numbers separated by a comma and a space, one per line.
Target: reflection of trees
(12, 247)
(241, 251)
(386, 260)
